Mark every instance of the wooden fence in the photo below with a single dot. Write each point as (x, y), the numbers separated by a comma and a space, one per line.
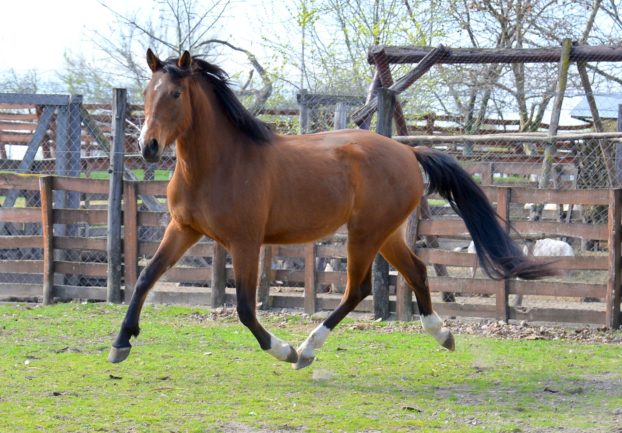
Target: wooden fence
(61, 236)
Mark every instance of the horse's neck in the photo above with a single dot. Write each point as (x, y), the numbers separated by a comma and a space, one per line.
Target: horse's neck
(208, 144)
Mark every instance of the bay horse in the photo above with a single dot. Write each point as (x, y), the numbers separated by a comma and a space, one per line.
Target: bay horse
(243, 186)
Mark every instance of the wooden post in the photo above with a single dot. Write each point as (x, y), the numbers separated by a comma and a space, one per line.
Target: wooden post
(47, 224)
(265, 277)
(612, 298)
(219, 275)
(130, 237)
(113, 244)
(403, 292)
(380, 267)
(386, 80)
(618, 156)
(341, 116)
(310, 301)
(304, 112)
(562, 80)
(504, 196)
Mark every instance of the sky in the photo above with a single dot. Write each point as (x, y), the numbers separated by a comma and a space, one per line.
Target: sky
(35, 34)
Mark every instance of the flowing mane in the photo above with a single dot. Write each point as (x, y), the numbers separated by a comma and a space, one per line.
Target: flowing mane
(241, 118)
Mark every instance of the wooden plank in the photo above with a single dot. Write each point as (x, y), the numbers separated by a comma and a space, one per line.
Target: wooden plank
(613, 296)
(445, 227)
(21, 266)
(19, 181)
(79, 243)
(334, 251)
(310, 301)
(154, 188)
(585, 197)
(81, 268)
(557, 289)
(554, 229)
(20, 215)
(201, 249)
(289, 251)
(87, 186)
(34, 99)
(92, 293)
(10, 242)
(558, 315)
(463, 285)
(18, 290)
(130, 238)
(75, 216)
(153, 219)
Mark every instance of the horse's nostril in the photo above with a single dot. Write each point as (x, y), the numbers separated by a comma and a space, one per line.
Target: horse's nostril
(150, 150)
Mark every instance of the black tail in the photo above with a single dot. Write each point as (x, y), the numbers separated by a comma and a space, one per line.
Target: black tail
(499, 256)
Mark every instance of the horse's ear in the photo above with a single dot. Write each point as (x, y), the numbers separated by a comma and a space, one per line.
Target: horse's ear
(154, 63)
(185, 60)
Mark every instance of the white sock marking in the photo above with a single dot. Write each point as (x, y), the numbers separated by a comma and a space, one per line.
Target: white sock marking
(278, 348)
(433, 325)
(315, 340)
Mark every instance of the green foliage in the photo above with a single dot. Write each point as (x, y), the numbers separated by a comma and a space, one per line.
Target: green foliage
(191, 372)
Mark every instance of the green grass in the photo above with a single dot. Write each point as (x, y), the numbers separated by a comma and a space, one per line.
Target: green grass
(139, 172)
(191, 373)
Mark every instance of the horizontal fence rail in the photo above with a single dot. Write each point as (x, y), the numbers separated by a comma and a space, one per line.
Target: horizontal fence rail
(307, 277)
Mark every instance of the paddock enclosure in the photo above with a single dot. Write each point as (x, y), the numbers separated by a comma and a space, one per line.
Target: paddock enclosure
(82, 213)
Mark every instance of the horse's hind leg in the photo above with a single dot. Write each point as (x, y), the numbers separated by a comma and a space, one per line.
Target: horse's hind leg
(245, 267)
(176, 241)
(360, 257)
(414, 272)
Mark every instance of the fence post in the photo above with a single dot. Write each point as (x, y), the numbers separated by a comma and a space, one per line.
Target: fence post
(219, 275)
(47, 224)
(265, 277)
(504, 197)
(304, 111)
(380, 267)
(341, 115)
(618, 155)
(113, 244)
(612, 298)
(310, 300)
(130, 237)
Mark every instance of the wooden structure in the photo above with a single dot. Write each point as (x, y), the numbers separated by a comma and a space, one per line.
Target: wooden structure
(181, 283)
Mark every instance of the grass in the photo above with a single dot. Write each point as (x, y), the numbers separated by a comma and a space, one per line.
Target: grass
(191, 373)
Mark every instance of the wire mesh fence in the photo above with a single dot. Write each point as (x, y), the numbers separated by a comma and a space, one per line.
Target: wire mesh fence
(507, 125)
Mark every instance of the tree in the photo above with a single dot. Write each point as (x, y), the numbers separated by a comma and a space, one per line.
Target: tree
(176, 25)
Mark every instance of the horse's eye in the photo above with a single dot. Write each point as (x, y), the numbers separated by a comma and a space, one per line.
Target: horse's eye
(176, 94)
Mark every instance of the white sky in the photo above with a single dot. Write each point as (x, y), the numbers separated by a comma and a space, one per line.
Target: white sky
(34, 34)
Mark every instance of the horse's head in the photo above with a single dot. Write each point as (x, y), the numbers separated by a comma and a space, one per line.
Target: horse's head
(167, 104)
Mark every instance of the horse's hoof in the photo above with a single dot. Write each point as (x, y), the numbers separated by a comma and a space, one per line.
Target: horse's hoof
(118, 354)
(303, 362)
(449, 343)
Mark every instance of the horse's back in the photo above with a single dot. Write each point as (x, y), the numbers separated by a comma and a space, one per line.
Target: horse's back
(322, 181)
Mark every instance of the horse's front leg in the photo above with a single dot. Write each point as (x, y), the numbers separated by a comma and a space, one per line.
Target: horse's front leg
(245, 267)
(177, 239)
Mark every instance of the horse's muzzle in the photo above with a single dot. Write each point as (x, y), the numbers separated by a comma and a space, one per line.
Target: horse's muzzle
(151, 151)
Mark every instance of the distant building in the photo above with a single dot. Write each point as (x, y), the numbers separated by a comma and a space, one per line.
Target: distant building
(607, 105)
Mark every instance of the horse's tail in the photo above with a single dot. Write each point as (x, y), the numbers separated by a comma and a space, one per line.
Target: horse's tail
(499, 256)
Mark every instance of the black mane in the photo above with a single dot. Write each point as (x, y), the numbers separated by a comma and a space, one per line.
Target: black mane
(241, 118)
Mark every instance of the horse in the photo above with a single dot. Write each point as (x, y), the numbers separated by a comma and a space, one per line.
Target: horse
(244, 185)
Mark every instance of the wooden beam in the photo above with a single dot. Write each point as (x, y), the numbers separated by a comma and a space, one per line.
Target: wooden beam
(612, 299)
(410, 54)
(47, 224)
(113, 246)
